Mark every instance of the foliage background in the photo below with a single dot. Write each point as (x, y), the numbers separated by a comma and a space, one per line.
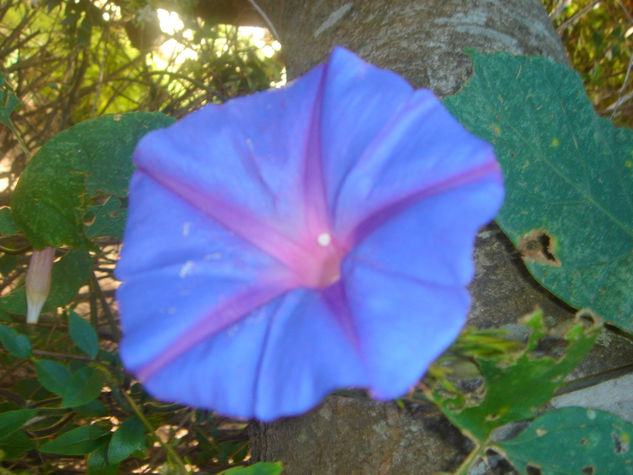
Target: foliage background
(69, 61)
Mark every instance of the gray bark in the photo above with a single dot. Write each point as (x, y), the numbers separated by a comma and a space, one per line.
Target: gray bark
(423, 40)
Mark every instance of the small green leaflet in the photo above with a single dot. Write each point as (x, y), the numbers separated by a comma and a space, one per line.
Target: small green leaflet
(16, 445)
(573, 440)
(568, 176)
(15, 343)
(83, 334)
(128, 438)
(8, 102)
(78, 441)
(11, 421)
(75, 388)
(98, 463)
(80, 169)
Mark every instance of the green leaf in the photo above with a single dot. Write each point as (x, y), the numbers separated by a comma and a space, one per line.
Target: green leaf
(69, 274)
(7, 225)
(11, 421)
(75, 389)
(83, 334)
(109, 219)
(16, 445)
(67, 277)
(15, 343)
(573, 440)
(8, 263)
(78, 441)
(97, 463)
(532, 375)
(128, 438)
(8, 102)
(94, 408)
(86, 386)
(77, 168)
(260, 468)
(53, 376)
(568, 176)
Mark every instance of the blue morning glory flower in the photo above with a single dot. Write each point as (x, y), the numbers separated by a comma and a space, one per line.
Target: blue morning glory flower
(296, 241)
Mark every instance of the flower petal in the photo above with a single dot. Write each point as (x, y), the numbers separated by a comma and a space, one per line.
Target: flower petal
(406, 283)
(185, 277)
(280, 361)
(244, 162)
(358, 101)
(386, 146)
(403, 326)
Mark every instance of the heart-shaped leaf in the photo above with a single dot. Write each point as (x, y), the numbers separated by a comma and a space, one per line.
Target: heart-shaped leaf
(80, 168)
(568, 175)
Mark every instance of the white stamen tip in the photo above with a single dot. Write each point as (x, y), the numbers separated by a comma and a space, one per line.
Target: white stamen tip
(324, 239)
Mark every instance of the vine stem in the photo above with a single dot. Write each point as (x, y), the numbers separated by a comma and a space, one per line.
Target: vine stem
(15, 132)
(468, 461)
(175, 458)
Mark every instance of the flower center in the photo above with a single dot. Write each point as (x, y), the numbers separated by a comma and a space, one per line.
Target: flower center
(324, 239)
(324, 262)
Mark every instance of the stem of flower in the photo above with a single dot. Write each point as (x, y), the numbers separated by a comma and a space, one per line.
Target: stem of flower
(171, 453)
(468, 461)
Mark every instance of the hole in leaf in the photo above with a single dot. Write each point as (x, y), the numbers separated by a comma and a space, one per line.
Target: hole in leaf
(583, 441)
(621, 442)
(538, 246)
(532, 470)
(550, 346)
(586, 318)
(589, 470)
(89, 218)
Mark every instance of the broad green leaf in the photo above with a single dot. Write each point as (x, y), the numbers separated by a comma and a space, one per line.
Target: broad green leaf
(568, 176)
(15, 343)
(77, 169)
(260, 468)
(83, 334)
(109, 219)
(69, 274)
(517, 385)
(573, 440)
(11, 421)
(78, 441)
(128, 438)
(8, 102)
(16, 445)
(75, 388)
(98, 464)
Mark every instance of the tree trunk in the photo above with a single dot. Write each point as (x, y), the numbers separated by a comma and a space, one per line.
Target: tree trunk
(423, 40)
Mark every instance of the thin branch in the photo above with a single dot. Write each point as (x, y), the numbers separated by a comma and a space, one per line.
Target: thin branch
(567, 23)
(271, 27)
